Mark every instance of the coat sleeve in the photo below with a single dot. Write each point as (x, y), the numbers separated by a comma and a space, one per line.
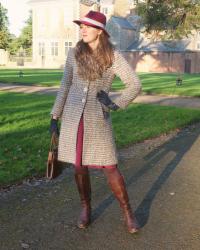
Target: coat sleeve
(132, 83)
(64, 87)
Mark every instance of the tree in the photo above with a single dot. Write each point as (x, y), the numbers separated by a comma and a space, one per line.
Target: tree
(13, 45)
(4, 33)
(25, 39)
(170, 19)
(3, 17)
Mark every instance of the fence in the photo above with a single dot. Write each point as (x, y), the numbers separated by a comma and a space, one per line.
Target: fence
(19, 60)
(3, 57)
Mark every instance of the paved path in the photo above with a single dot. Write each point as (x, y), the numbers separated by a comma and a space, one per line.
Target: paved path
(162, 177)
(28, 89)
(189, 102)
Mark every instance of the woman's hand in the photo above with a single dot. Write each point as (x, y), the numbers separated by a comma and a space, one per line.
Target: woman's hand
(54, 126)
(104, 98)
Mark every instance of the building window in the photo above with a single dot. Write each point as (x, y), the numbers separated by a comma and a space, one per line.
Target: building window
(68, 45)
(41, 48)
(105, 10)
(54, 48)
(198, 45)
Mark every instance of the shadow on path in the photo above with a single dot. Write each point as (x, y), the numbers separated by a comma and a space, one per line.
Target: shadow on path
(179, 145)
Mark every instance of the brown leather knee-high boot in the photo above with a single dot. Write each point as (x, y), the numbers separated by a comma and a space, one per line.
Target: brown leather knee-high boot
(83, 184)
(117, 184)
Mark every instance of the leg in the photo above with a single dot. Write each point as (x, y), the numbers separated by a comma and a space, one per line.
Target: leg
(82, 179)
(117, 184)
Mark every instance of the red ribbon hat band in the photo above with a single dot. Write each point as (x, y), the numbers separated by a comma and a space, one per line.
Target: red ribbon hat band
(95, 19)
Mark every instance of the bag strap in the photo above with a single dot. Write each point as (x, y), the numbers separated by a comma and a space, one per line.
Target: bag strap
(54, 142)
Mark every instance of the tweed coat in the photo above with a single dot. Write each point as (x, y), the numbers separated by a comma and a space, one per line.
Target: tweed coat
(77, 97)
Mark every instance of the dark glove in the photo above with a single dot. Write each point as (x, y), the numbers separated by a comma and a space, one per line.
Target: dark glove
(104, 98)
(54, 127)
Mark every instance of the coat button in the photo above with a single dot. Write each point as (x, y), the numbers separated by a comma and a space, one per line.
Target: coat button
(85, 89)
(83, 100)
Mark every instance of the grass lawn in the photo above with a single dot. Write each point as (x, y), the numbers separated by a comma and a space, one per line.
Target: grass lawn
(166, 84)
(153, 83)
(162, 83)
(42, 77)
(24, 135)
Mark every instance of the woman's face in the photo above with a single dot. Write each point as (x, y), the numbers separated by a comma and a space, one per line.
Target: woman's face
(89, 34)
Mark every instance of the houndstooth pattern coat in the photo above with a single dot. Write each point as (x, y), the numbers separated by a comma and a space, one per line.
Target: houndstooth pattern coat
(76, 97)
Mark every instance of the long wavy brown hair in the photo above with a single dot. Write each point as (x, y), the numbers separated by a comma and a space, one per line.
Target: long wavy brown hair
(92, 63)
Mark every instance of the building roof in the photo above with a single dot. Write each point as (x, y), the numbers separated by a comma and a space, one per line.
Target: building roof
(135, 21)
(107, 2)
(145, 45)
(37, 1)
(122, 22)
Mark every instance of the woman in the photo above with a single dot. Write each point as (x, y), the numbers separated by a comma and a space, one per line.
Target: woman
(86, 138)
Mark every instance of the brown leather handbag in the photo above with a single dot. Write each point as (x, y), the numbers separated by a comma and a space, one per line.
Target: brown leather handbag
(53, 165)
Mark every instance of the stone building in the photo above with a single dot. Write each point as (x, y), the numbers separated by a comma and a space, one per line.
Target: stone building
(54, 31)
(122, 32)
(107, 8)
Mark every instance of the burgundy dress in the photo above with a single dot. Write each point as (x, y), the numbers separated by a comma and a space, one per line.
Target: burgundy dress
(79, 149)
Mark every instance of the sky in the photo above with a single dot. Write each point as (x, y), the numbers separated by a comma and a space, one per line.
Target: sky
(18, 13)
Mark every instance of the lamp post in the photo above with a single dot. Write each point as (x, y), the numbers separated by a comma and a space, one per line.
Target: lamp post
(179, 80)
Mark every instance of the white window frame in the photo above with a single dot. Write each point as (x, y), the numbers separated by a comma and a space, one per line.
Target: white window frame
(105, 10)
(41, 48)
(54, 48)
(68, 45)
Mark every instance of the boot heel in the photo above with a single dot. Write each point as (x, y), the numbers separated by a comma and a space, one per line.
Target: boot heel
(131, 222)
(85, 218)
